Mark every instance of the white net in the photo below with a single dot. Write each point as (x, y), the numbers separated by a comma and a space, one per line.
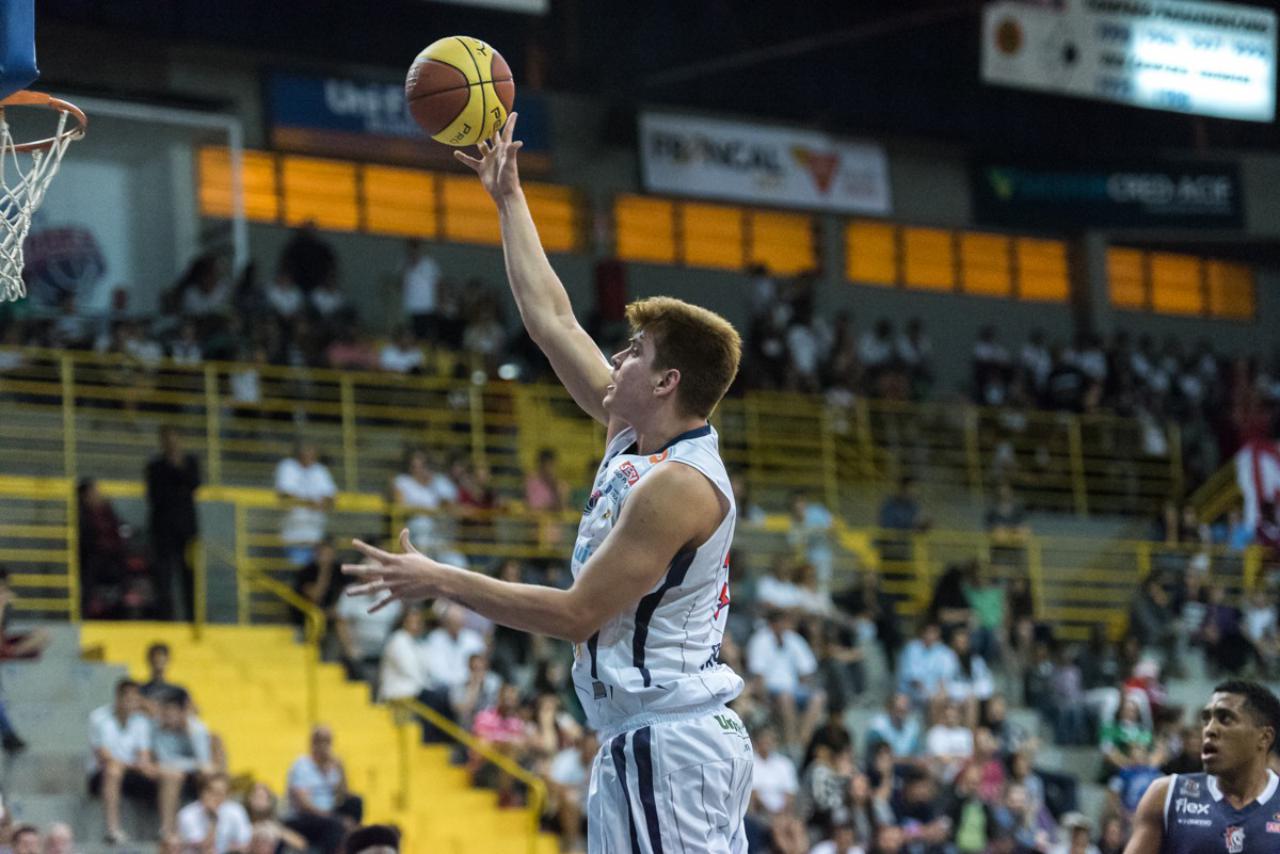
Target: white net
(24, 178)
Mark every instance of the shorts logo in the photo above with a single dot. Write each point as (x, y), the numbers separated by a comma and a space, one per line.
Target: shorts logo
(629, 472)
(1234, 838)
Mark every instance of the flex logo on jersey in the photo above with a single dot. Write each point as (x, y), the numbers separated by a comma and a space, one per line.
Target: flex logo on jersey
(1234, 837)
(1182, 805)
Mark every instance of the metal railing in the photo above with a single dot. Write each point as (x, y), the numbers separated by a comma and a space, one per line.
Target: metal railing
(72, 414)
(408, 708)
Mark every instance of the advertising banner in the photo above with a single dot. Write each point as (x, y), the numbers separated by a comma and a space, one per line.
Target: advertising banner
(759, 164)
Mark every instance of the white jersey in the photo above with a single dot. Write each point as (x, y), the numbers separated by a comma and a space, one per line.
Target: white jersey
(658, 660)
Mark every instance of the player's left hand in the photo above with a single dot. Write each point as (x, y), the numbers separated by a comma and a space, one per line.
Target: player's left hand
(402, 577)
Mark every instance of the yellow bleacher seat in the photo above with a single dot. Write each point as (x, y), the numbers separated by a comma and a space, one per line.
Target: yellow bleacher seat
(249, 683)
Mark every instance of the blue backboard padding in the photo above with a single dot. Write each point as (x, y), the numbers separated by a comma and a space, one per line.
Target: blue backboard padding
(17, 45)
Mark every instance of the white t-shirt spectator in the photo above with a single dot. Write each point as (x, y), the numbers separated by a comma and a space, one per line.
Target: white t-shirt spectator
(448, 657)
(421, 287)
(423, 529)
(125, 743)
(913, 353)
(233, 828)
(773, 779)
(951, 741)
(782, 663)
(309, 483)
(803, 346)
(874, 351)
(568, 770)
(399, 359)
(404, 667)
(369, 632)
(197, 302)
(1037, 362)
(320, 786)
(327, 302)
(786, 594)
(285, 298)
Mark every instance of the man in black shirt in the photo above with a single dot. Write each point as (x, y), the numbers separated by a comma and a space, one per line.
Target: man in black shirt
(172, 480)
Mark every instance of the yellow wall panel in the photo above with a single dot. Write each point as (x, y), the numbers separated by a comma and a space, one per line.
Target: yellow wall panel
(469, 214)
(645, 229)
(1176, 284)
(1231, 290)
(400, 201)
(928, 259)
(1126, 278)
(556, 211)
(984, 265)
(782, 242)
(320, 191)
(261, 190)
(871, 252)
(1042, 269)
(712, 236)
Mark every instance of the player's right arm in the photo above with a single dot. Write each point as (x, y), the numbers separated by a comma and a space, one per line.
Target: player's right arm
(543, 302)
(1148, 821)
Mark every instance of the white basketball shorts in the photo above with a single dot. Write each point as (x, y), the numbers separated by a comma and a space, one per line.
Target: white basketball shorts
(675, 787)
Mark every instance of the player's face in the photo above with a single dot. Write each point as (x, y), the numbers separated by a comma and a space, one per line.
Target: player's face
(1231, 737)
(633, 379)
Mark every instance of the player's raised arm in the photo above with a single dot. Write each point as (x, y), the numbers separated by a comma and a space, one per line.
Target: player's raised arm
(1148, 821)
(544, 305)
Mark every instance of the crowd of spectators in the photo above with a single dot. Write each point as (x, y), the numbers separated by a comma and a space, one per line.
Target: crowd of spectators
(150, 745)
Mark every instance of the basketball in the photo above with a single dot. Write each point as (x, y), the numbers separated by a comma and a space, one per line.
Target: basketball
(459, 90)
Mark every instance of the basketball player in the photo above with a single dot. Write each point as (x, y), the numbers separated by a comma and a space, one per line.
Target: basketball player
(1232, 807)
(647, 608)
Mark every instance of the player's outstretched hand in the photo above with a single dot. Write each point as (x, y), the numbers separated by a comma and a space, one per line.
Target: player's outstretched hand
(405, 577)
(497, 163)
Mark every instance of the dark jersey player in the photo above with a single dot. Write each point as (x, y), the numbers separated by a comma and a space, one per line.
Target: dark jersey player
(1233, 806)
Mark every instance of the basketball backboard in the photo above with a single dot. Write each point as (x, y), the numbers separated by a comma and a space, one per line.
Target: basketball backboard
(17, 45)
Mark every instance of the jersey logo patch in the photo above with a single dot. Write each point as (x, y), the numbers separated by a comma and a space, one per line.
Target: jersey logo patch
(657, 458)
(1191, 788)
(1234, 837)
(629, 472)
(1273, 827)
(723, 602)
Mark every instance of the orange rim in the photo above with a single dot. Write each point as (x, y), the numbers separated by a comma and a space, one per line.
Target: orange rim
(27, 98)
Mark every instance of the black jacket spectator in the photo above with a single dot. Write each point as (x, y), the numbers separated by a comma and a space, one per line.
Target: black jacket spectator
(172, 480)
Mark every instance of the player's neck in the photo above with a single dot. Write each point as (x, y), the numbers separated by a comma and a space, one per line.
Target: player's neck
(1243, 788)
(652, 437)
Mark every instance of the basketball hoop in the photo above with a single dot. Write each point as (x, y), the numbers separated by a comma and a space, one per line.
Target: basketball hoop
(26, 170)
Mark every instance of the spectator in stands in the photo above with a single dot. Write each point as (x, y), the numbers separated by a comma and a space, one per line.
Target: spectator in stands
(285, 299)
(897, 726)
(1077, 831)
(485, 336)
(479, 692)
(307, 258)
(320, 581)
(949, 743)
(544, 489)
(1008, 528)
(59, 839)
(347, 350)
(1123, 737)
(1131, 781)
(172, 479)
(180, 741)
(362, 634)
(782, 657)
(403, 672)
(214, 824)
(447, 654)
(1070, 711)
(901, 510)
(567, 777)
(774, 782)
(972, 682)
(990, 369)
(122, 763)
(877, 357)
(262, 808)
(1035, 363)
(810, 535)
(420, 289)
(402, 354)
(320, 807)
(105, 567)
(417, 491)
(16, 645)
(157, 686)
(330, 305)
(1259, 627)
(988, 604)
(307, 491)
(1150, 619)
(914, 351)
(502, 727)
(25, 839)
(186, 349)
(927, 665)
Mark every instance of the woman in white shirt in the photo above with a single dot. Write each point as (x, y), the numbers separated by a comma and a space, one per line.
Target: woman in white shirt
(972, 679)
(418, 493)
(403, 673)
